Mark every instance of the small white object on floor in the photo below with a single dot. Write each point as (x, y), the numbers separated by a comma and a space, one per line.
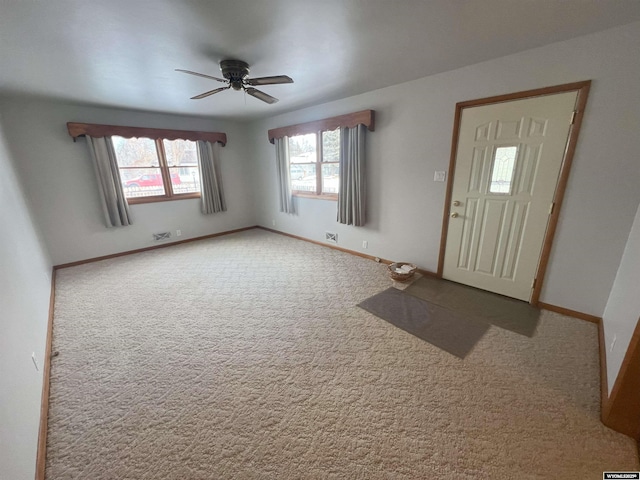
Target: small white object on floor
(403, 285)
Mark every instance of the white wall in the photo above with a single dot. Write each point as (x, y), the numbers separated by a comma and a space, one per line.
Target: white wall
(413, 139)
(623, 308)
(25, 287)
(60, 183)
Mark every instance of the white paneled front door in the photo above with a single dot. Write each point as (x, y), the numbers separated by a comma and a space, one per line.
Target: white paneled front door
(507, 166)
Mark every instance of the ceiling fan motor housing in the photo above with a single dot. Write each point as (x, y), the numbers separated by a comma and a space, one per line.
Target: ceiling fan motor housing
(234, 71)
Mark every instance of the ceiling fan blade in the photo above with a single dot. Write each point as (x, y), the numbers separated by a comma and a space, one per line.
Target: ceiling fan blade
(268, 80)
(211, 92)
(201, 75)
(261, 95)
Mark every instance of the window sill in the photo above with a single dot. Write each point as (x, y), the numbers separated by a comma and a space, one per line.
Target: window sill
(141, 200)
(326, 196)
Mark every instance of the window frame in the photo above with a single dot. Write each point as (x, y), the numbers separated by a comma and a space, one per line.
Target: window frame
(157, 135)
(165, 173)
(318, 166)
(364, 117)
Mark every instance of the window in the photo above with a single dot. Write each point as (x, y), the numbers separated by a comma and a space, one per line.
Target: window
(152, 170)
(314, 156)
(314, 163)
(503, 168)
(154, 164)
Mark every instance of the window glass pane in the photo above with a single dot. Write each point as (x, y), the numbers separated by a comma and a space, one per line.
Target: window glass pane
(303, 177)
(141, 182)
(504, 162)
(330, 177)
(180, 152)
(135, 152)
(182, 159)
(302, 148)
(331, 146)
(185, 180)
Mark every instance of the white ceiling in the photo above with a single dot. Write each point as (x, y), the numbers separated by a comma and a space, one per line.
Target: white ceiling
(122, 53)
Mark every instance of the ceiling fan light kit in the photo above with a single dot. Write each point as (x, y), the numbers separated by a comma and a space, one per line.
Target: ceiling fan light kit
(235, 76)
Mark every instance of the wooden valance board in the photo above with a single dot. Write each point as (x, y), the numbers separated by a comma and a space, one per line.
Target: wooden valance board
(94, 130)
(365, 117)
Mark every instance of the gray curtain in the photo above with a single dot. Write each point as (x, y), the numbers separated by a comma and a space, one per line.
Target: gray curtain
(114, 203)
(282, 170)
(211, 193)
(352, 193)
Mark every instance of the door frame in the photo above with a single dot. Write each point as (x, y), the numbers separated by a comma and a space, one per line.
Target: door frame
(583, 92)
(621, 409)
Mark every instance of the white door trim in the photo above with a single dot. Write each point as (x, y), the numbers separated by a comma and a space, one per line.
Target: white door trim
(583, 91)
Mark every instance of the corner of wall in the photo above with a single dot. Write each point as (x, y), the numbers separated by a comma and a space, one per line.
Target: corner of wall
(25, 295)
(623, 306)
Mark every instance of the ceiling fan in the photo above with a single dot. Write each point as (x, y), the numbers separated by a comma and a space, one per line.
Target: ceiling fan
(235, 73)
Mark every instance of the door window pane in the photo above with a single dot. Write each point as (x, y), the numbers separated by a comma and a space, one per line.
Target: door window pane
(504, 162)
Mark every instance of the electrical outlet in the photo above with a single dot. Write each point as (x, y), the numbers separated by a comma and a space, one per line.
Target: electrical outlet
(178, 233)
(35, 361)
(613, 342)
(439, 176)
(365, 244)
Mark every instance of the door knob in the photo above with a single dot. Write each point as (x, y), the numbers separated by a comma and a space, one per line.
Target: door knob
(456, 203)
(454, 215)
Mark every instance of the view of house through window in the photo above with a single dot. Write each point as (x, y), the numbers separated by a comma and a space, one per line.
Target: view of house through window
(182, 160)
(157, 168)
(314, 162)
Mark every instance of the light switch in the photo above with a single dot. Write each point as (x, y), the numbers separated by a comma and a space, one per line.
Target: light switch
(439, 176)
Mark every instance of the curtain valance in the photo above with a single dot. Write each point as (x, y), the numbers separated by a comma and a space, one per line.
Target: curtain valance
(95, 130)
(350, 120)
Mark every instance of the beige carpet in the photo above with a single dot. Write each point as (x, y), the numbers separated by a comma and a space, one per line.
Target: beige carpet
(246, 357)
